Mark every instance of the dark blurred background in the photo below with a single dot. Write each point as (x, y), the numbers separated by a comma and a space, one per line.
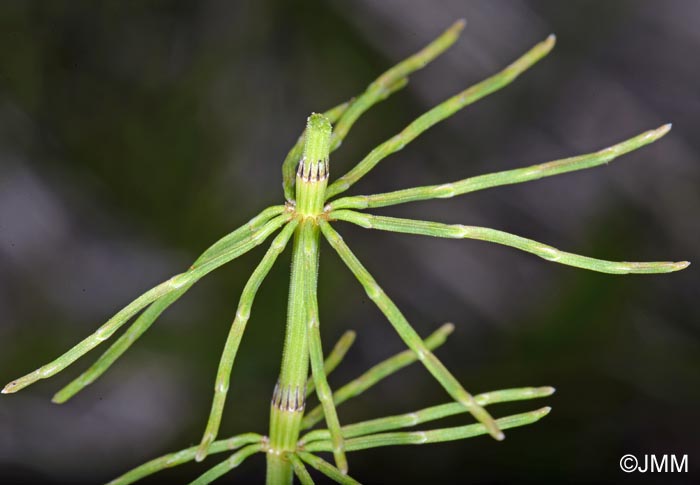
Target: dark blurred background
(133, 134)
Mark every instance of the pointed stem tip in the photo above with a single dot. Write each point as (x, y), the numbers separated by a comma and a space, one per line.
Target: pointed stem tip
(544, 391)
(458, 26)
(542, 412)
(8, 389)
(659, 132)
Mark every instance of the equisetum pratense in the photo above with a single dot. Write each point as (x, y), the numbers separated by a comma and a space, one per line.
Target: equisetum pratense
(310, 213)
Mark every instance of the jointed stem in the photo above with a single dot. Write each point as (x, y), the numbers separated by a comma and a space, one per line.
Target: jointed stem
(507, 177)
(173, 284)
(407, 333)
(439, 113)
(458, 231)
(289, 166)
(231, 242)
(334, 358)
(433, 413)
(236, 334)
(377, 373)
(323, 435)
(288, 401)
(431, 436)
(311, 256)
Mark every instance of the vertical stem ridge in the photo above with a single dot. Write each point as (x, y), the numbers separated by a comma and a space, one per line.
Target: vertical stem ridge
(288, 400)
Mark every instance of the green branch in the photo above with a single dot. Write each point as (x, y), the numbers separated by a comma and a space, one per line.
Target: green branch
(407, 333)
(507, 177)
(440, 112)
(433, 413)
(377, 373)
(113, 324)
(232, 242)
(458, 231)
(334, 358)
(228, 356)
(431, 436)
(387, 83)
(327, 469)
(183, 456)
(229, 464)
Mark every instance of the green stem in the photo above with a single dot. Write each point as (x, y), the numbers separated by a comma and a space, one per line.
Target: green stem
(289, 166)
(289, 397)
(235, 336)
(288, 400)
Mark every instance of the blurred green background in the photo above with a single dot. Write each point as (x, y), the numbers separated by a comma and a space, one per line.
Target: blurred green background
(133, 134)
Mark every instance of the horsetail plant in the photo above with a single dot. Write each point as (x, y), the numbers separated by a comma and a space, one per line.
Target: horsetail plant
(309, 212)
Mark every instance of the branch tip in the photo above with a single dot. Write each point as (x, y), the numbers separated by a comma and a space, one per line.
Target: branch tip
(459, 25)
(660, 131)
(8, 388)
(546, 391)
(542, 412)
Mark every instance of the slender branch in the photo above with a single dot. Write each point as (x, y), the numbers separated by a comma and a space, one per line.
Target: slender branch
(229, 464)
(433, 413)
(235, 335)
(326, 468)
(439, 113)
(407, 333)
(506, 177)
(334, 358)
(377, 373)
(323, 390)
(431, 436)
(183, 456)
(385, 84)
(247, 230)
(113, 324)
(289, 166)
(458, 231)
(300, 470)
(231, 242)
